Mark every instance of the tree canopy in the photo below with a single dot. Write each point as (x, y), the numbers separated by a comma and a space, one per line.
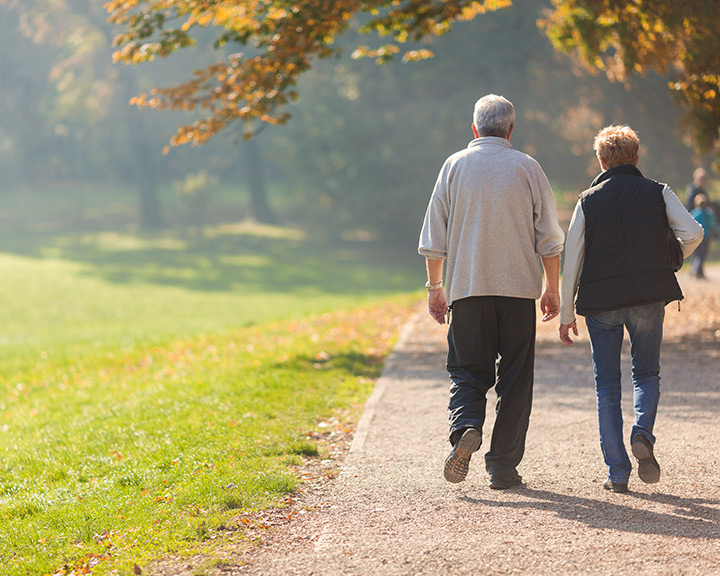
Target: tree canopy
(282, 36)
(349, 163)
(680, 40)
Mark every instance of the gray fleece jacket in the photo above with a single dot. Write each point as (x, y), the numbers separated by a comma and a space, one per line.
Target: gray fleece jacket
(492, 214)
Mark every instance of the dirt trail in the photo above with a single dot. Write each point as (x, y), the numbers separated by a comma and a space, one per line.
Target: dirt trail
(391, 513)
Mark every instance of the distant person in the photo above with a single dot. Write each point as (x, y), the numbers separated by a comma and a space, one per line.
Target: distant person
(697, 186)
(616, 261)
(492, 217)
(704, 216)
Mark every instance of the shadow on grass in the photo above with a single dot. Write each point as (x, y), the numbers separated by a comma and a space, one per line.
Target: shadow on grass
(244, 257)
(358, 364)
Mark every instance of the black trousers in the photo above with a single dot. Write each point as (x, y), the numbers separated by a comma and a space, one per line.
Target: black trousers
(491, 342)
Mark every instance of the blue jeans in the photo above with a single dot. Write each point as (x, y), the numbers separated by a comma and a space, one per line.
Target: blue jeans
(644, 326)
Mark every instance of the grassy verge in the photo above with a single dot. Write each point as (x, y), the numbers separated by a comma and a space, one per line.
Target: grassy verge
(120, 458)
(69, 293)
(156, 388)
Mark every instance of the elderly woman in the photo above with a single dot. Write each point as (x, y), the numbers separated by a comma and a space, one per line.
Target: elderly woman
(616, 261)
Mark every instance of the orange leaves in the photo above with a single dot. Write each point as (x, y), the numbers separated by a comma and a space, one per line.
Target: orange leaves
(87, 563)
(117, 456)
(287, 37)
(418, 20)
(84, 565)
(417, 55)
(382, 55)
(119, 8)
(477, 8)
(681, 40)
(277, 13)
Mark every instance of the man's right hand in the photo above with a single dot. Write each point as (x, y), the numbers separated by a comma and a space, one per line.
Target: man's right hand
(437, 305)
(565, 333)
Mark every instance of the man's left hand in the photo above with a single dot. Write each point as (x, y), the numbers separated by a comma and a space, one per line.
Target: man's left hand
(549, 305)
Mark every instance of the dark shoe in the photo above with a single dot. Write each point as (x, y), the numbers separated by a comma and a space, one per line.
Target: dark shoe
(457, 463)
(615, 486)
(648, 468)
(504, 482)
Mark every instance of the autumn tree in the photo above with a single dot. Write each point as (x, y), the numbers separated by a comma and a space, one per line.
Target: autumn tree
(282, 38)
(680, 40)
(83, 91)
(365, 141)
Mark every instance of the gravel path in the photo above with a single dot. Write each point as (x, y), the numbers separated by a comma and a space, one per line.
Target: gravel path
(390, 512)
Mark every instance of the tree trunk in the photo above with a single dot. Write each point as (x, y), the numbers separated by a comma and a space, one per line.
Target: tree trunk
(254, 169)
(150, 215)
(143, 156)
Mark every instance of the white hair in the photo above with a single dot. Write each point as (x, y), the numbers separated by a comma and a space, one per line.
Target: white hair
(494, 116)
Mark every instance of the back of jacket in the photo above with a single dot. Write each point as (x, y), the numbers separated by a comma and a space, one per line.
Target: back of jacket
(492, 214)
(626, 258)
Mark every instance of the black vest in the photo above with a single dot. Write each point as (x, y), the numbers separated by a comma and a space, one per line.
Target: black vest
(626, 258)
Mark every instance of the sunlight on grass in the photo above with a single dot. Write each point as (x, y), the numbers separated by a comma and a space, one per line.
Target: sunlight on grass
(154, 388)
(61, 306)
(249, 227)
(127, 456)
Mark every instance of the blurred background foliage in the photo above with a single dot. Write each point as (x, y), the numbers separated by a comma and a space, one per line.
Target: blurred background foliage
(356, 162)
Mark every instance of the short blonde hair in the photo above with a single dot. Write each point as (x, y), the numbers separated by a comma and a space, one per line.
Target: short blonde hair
(617, 145)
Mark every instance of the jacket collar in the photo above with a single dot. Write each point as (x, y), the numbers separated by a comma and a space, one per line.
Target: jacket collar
(610, 172)
(485, 140)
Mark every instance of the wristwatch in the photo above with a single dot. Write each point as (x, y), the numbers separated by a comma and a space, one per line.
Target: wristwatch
(431, 287)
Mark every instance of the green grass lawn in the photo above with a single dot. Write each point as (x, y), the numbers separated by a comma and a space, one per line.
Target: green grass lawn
(156, 388)
(120, 289)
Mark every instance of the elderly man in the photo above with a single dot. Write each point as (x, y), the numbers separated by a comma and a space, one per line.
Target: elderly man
(492, 217)
(616, 261)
